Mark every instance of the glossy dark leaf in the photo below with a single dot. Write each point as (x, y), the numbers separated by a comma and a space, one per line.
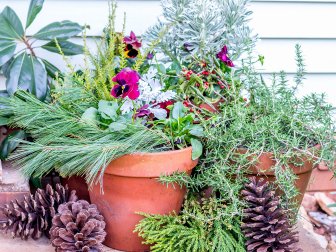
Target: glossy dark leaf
(34, 8)
(68, 48)
(10, 25)
(7, 49)
(28, 73)
(10, 143)
(60, 30)
(52, 70)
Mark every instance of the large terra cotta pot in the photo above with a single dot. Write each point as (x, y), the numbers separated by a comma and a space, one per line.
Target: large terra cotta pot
(130, 185)
(263, 168)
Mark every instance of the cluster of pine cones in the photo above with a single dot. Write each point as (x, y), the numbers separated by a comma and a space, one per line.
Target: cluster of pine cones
(74, 225)
(71, 225)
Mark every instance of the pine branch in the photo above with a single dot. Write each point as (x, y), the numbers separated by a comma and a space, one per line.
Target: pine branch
(64, 142)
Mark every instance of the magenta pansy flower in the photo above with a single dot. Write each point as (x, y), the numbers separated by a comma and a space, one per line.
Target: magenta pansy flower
(126, 84)
(223, 56)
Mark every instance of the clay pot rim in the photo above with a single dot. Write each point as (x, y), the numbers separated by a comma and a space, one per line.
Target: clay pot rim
(268, 153)
(140, 165)
(158, 153)
(255, 169)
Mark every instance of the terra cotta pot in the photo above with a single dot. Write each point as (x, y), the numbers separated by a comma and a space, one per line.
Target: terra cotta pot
(263, 168)
(130, 185)
(322, 179)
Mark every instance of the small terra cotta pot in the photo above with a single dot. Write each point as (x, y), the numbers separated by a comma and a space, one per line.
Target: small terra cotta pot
(130, 185)
(263, 169)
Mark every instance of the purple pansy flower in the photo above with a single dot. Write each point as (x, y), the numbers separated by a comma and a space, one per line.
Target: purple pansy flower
(132, 40)
(132, 45)
(143, 111)
(223, 56)
(126, 84)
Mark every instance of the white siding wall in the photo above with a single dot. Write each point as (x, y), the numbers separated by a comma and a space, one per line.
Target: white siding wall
(280, 25)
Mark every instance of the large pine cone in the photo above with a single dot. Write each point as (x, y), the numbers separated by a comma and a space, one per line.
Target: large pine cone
(78, 226)
(265, 225)
(32, 216)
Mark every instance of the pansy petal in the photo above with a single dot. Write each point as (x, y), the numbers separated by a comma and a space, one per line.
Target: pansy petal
(134, 93)
(116, 91)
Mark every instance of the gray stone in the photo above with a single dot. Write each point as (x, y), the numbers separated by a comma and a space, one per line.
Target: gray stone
(7, 244)
(12, 179)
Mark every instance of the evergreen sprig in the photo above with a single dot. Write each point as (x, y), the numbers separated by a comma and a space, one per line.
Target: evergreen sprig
(201, 227)
(64, 141)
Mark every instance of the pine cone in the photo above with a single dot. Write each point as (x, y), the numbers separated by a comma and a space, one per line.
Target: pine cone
(78, 226)
(32, 216)
(265, 225)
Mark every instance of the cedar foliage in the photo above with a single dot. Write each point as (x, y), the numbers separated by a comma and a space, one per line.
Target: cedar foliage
(202, 226)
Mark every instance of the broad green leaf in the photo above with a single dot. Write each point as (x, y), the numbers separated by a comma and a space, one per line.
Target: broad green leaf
(3, 121)
(34, 8)
(177, 111)
(52, 70)
(10, 25)
(27, 73)
(108, 109)
(196, 130)
(60, 30)
(10, 143)
(117, 126)
(90, 116)
(5, 67)
(68, 48)
(197, 148)
(7, 49)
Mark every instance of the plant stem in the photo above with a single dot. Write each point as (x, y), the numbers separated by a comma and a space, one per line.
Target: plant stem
(29, 47)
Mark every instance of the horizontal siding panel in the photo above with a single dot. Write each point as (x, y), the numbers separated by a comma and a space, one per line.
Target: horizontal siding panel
(319, 55)
(294, 19)
(278, 19)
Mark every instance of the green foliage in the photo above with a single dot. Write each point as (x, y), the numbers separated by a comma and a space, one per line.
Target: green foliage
(181, 130)
(201, 227)
(274, 120)
(64, 141)
(205, 26)
(23, 69)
